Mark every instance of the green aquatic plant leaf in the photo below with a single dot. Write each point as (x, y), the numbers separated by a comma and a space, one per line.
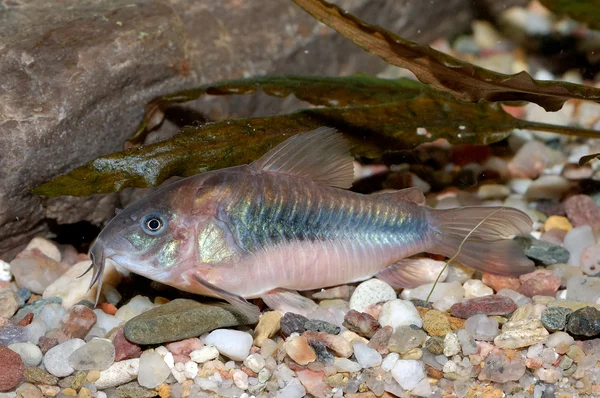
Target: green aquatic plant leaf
(371, 130)
(463, 80)
(586, 11)
(323, 91)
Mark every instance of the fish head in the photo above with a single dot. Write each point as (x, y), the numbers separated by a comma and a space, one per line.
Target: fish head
(151, 237)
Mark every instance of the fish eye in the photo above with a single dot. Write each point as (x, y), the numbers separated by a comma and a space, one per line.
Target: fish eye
(153, 224)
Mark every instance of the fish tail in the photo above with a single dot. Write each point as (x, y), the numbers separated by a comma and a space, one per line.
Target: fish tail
(481, 238)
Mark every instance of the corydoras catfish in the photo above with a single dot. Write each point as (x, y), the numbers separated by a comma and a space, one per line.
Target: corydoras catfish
(283, 224)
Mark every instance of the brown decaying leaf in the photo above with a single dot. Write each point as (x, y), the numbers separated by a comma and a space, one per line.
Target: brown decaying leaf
(588, 158)
(402, 124)
(463, 80)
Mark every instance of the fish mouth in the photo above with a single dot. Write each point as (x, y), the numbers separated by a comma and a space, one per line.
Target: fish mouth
(98, 258)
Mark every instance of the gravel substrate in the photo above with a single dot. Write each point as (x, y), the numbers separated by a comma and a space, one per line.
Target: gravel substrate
(481, 335)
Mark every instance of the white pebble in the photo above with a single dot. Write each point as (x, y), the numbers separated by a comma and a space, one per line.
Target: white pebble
(366, 356)
(233, 344)
(408, 373)
(190, 369)
(106, 321)
(56, 360)
(445, 303)
(136, 306)
(166, 356)
(5, 274)
(255, 362)
(398, 312)
(390, 360)
(294, 389)
(476, 288)
(451, 344)
(153, 370)
(178, 372)
(240, 379)
(29, 353)
(119, 373)
(48, 248)
(453, 289)
(370, 292)
(346, 365)
(481, 327)
(576, 241)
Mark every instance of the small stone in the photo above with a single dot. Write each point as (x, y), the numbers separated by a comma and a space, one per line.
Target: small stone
(78, 321)
(27, 390)
(372, 291)
(346, 365)
(408, 373)
(446, 289)
(56, 360)
(517, 297)
(177, 320)
(492, 191)
(49, 391)
(436, 323)
(361, 323)
(299, 350)
(499, 368)
(181, 350)
(576, 353)
(12, 369)
(134, 390)
(481, 327)
(97, 354)
(590, 260)
(557, 222)
(29, 353)
(405, 338)
(467, 342)
(118, 374)
(204, 354)
(380, 339)
(499, 282)
(292, 323)
(39, 376)
(584, 288)
(548, 187)
(542, 252)
(398, 313)
(124, 349)
(9, 303)
(581, 210)
(476, 288)
(294, 389)
(451, 344)
(539, 283)
(153, 370)
(35, 271)
(323, 355)
(445, 303)
(555, 318)
(564, 272)
(561, 342)
(5, 274)
(78, 380)
(584, 322)
(240, 379)
(335, 343)
(321, 326)
(521, 334)
(233, 344)
(255, 362)
(366, 356)
(576, 241)
(489, 305)
(435, 345)
(343, 292)
(314, 382)
(268, 324)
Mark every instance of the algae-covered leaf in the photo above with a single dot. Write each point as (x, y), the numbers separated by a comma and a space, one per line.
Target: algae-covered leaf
(323, 91)
(371, 129)
(463, 80)
(586, 11)
(588, 158)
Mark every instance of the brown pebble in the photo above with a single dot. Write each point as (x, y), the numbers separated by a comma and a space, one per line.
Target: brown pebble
(124, 349)
(381, 339)
(39, 376)
(489, 305)
(582, 210)
(164, 390)
(78, 321)
(433, 372)
(436, 323)
(26, 319)
(499, 282)
(361, 323)
(539, 283)
(12, 369)
(45, 343)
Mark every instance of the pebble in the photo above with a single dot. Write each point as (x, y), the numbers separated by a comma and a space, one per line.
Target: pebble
(584, 322)
(539, 283)
(405, 338)
(577, 240)
(445, 303)
(176, 320)
(134, 390)
(204, 354)
(77, 322)
(28, 390)
(584, 288)
(233, 344)
(366, 356)
(521, 334)
(321, 326)
(561, 342)
(45, 247)
(97, 354)
(12, 369)
(106, 321)
(343, 292)
(369, 292)
(555, 318)
(361, 323)
(548, 187)
(152, 370)
(268, 324)
(435, 345)
(240, 379)
(124, 349)
(29, 353)
(467, 342)
(380, 339)
(293, 389)
(346, 365)
(337, 344)
(564, 272)
(489, 305)
(5, 275)
(492, 191)
(9, 303)
(56, 360)
(499, 282)
(396, 313)
(481, 327)
(557, 222)
(181, 350)
(517, 297)
(543, 252)
(408, 373)
(39, 376)
(255, 362)
(451, 344)
(436, 323)
(292, 323)
(499, 368)
(446, 289)
(590, 260)
(476, 288)
(323, 355)
(35, 271)
(582, 210)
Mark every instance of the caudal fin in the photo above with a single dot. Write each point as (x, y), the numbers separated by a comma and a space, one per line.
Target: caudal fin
(489, 231)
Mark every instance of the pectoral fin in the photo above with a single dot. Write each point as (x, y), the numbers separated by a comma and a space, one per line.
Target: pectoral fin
(411, 272)
(240, 303)
(291, 301)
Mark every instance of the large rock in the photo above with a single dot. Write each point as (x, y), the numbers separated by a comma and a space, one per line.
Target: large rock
(76, 75)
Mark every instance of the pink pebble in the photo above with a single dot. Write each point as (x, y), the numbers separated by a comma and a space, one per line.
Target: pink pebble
(181, 349)
(590, 260)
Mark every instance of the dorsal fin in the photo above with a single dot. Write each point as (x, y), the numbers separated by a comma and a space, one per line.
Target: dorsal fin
(413, 194)
(321, 155)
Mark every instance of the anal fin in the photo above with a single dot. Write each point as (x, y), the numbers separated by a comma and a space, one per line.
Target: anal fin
(283, 300)
(411, 272)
